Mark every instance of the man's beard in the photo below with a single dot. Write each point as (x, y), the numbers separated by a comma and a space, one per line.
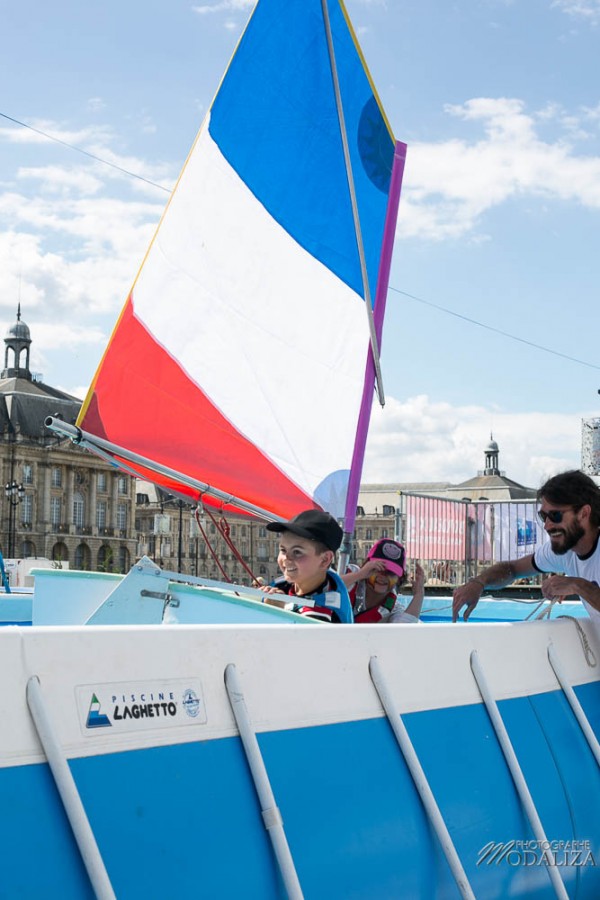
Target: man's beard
(570, 537)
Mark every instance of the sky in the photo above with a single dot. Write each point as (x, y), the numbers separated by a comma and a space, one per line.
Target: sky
(494, 303)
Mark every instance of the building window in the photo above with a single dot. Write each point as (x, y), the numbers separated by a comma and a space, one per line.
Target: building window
(27, 549)
(60, 553)
(122, 485)
(360, 510)
(368, 534)
(105, 559)
(55, 507)
(101, 513)
(384, 533)
(27, 474)
(83, 558)
(27, 509)
(122, 516)
(56, 478)
(388, 510)
(78, 509)
(123, 559)
(262, 531)
(101, 481)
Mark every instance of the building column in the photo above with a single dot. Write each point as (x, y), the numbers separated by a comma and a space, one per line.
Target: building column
(70, 492)
(112, 510)
(44, 512)
(91, 517)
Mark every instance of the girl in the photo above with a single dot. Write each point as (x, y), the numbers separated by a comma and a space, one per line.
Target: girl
(373, 586)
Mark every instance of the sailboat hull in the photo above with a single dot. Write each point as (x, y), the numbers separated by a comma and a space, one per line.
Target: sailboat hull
(169, 794)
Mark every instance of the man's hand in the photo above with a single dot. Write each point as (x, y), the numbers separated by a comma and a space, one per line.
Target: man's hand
(557, 587)
(466, 595)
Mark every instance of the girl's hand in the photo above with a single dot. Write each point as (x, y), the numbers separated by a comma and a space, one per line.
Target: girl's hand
(419, 579)
(371, 567)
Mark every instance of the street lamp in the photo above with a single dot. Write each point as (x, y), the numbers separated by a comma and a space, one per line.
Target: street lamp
(14, 493)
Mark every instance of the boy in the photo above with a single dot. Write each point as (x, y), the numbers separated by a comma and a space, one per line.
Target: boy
(307, 548)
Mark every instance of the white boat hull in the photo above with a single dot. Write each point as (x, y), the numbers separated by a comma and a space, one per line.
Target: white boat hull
(170, 800)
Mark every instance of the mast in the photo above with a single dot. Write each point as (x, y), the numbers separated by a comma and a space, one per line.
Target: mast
(374, 336)
(378, 314)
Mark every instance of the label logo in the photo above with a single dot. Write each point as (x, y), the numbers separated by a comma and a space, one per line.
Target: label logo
(95, 717)
(139, 706)
(191, 703)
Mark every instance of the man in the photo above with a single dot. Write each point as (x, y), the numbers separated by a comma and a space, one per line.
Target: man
(570, 511)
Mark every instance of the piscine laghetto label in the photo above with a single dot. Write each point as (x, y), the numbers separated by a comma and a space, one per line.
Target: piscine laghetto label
(141, 705)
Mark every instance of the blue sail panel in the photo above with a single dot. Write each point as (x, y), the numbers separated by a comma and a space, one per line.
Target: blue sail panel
(275, 121)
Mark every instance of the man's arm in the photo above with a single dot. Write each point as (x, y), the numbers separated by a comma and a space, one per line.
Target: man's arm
(497, 576)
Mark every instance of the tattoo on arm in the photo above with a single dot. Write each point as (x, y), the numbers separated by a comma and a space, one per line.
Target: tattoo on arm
(498, 575)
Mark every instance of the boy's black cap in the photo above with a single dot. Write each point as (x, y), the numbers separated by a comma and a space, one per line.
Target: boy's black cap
(314, 525)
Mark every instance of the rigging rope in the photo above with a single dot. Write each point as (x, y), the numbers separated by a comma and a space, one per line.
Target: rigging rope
(590, 656)
(209, 545)
(224, 529)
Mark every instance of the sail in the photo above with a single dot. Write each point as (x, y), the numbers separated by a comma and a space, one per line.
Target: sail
(239, 357)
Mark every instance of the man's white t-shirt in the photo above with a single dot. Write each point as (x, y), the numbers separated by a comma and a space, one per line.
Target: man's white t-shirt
(570, 563)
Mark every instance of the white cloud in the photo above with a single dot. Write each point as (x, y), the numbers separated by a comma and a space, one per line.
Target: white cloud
(30, 134)
(422, 440)
(101, 241)
(451, 184)
(58, 179)
(223, 6)
(96, 104)
(588, 10)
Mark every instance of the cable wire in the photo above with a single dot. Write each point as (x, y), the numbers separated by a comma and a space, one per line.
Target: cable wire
(99, 159)
(449, 312)
(506, 334)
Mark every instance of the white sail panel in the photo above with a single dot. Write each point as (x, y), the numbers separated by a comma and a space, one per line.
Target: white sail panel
(273, 338)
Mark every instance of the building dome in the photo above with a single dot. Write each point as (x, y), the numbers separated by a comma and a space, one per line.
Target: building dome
(18, 343)
(18, 332)
(492, 447)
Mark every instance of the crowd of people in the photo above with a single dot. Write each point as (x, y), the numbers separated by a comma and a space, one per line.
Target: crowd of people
(369, 593)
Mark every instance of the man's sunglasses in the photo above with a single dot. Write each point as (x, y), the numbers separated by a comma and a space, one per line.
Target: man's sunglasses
(555, 515)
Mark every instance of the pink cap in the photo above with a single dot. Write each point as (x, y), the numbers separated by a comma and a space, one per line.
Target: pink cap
(392, 553)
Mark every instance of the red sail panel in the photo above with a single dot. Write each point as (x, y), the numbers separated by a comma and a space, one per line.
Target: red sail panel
(139, 400)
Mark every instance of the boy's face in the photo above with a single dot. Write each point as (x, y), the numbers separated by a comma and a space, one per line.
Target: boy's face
(300, 561)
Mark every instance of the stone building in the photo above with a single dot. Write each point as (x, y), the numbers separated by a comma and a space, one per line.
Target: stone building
(60, 502)
(490, 483)
(380, 505)
(168, 532)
